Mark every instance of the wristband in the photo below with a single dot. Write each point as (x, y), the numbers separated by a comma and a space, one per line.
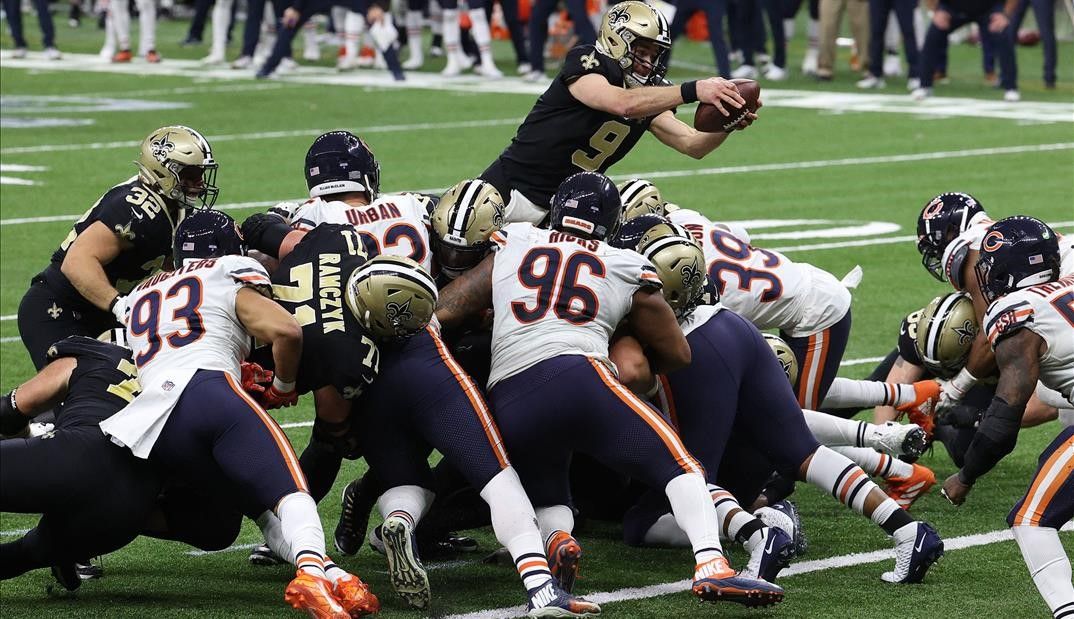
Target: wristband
(963, 381)
(688, 91)
(112, 303)
(281, 386)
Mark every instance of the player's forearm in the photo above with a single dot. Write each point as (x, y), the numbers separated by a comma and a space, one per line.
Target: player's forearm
(266, 321)
(43, 391)
(650, 101)
(89, 279)
(700, 144)
(467, 295)
(981, 361)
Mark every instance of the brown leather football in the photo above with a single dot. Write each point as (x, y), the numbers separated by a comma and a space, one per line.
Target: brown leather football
(709, 119)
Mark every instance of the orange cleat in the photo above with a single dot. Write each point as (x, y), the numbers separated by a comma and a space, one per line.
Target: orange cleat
(564, 555)
(152, 56)
(715, 581)
(123, 55)
(355, 596)
(314, 595)
(922, 410)
(906, 490)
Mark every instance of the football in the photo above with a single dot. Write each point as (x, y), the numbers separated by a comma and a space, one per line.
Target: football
(708, 118)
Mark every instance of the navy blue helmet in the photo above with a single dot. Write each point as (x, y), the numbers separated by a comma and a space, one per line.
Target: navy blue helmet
(338, 162)
(1016, 252)
(587, 203)
(207, 234)
(940, 222)
(632, 231)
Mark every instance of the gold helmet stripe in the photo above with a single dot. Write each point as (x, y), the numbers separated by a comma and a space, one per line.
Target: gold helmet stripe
(464, 206)
(936, 325)
(632, 188)
(401, 269)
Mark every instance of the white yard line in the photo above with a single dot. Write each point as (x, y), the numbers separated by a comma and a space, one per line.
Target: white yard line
(804, 567)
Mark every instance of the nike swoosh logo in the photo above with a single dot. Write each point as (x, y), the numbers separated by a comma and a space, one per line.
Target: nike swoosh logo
(920, 543)
(771, 540)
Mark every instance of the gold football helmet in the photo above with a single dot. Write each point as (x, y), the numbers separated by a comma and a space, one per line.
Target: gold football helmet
(679, 262)
(178, 162)
(392, 296)
(463, 222)
(624, 25)
(784, 355)
(640, 197)
(945, 331)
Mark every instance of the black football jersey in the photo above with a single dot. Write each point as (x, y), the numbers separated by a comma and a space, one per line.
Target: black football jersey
(310, 283)
(136, 215)
(562, 136)
(104, 381)
(908, 339)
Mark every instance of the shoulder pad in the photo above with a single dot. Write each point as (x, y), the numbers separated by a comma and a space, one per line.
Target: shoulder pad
(1005, 319)
(954, 261)
(247, 272)
(585, 59)
(908, 338)
(80, 346)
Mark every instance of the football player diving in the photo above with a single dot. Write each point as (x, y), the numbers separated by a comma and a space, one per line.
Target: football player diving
(124, 237)
(604, 98)
(1030, 326)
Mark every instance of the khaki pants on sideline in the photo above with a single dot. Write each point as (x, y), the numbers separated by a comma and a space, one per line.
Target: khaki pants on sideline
(831, 15)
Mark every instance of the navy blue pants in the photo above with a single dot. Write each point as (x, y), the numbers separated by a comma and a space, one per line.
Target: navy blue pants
(218, 434)
(251, 34)
(819, 356)
(1044, 11)
(13, 11)
(422, 399)
(751, 17)
(715, 12)
(94, 497)
(878, 23)
(573, 403)
(936, 43)
(539, 15)
(1049, 502)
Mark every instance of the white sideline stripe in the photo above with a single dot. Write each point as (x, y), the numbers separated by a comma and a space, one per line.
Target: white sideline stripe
(8, 340)
(270, 135)
(201, 553)
(805, 567)
(862, 361)
(14, 532)
(764, 167)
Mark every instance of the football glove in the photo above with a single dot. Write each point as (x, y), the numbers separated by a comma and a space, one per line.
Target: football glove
(119, 309)
(279, 395)
(265, 232)
(961, 415)
(954, 390)
(255, 379)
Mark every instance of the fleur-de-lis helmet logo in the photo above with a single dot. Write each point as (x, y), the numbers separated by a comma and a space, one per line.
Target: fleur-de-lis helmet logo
(399, 313)
(691, 274)
(161, 147)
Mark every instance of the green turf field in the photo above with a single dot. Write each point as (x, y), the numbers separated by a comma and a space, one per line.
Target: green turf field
(860, 175)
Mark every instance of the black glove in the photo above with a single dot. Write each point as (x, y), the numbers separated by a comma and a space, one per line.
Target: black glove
(265, 232)
(961, 416)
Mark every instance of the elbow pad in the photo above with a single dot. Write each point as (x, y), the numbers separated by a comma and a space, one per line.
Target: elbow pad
(265, 233)
(995, 438)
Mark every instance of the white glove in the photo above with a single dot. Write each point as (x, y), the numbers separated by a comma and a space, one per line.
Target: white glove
(953, 391)
(286, 210)
(120, 309)
(384, 32)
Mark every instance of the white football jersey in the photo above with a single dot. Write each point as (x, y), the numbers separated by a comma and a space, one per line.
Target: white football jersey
(396, 225)
(765, 287)
(1048, 311)
(186, 318)
(556, 294)
(180, 322)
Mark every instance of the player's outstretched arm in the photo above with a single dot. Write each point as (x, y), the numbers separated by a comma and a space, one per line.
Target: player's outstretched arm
(84, 264)
(654, 325)
(268, 322)
(467, 295)
(627, 354)
(596, 92)
(42, 392)
(1018, 356)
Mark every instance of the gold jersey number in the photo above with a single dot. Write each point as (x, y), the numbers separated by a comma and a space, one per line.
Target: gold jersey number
(607, 139)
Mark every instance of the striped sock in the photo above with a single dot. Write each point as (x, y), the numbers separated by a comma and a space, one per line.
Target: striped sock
(310, 562)
(836, 474)
(533, 568)
(333, 571)
(404, 515)
(736, 523)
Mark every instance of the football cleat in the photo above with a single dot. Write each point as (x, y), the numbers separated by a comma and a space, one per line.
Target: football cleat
(123, 55)
(906, 490)
(564, 555)
(405, 570)
(784, 515)
(67, 575)
(263, 555)
(715, 581)
(355, 597)
(548, 600)
(770, 556)
(350, 529)
(152, 56)
(87, 570)
(898, 439)
(921, 410)
(314, 595)
(917, 547)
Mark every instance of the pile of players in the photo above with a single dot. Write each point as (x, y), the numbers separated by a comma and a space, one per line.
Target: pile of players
(631, 322)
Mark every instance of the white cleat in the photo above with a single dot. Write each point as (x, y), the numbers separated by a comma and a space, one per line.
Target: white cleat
(414, 63)
(897, 439)
(213, 59)
(242, 62)
(809, 63)
(920, 94)
(287, 65)
(488, 70)
(746, 71)
(1012, 96)
(917, 547)
(524, 69)
(346, 64)
(405, 570)
(51, 53)
(892, 65)
(913, 84)
(775, 74)
(871, 82)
